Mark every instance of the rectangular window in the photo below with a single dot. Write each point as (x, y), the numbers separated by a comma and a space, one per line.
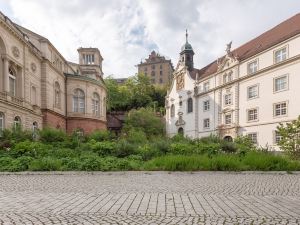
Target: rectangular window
(280, 109)
(227, 99)
(252, 92)
(228, 119)
(281, 83)
(206, 86)
(206, 123)
(160, 81)
(280, 55)
(277, 137)
(252, 114)
(12, 85)
(93, 59)
(252, 67)
(206, 105)
(1, 123)
(253, 137)
(160, 73)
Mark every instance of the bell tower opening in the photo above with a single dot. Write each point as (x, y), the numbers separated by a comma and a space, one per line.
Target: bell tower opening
(187, 54)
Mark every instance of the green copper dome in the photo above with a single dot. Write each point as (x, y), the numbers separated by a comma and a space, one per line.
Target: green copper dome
(186, 46)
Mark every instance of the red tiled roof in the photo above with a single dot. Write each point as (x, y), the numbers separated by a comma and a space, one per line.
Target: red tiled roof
(277, 34)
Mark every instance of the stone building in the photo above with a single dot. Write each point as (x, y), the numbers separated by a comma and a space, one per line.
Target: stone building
(39, 87)
(157, 68)
(248, 91)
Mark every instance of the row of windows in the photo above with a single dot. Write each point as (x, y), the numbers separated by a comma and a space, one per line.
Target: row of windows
(254, 137)
(79, 102)
(252, 67)
(279, 109)
(16, 124)
(153, 73)
(152, 67)
(88, 59)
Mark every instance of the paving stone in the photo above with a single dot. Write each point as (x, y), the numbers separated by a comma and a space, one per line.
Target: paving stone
(150, 198)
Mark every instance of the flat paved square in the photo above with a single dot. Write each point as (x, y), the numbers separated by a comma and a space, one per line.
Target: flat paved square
(150, 198)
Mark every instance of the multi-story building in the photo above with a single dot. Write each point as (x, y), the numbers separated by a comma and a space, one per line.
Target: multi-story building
(39, 87)
(157, 68)
(248, 91)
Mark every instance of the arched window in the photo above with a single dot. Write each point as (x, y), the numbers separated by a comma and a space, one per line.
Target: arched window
(96, 104)
(78, 101)
(57, 95)
(180, 131)
(190, 105)
(1, 123)
(34, 130)
(33, 95)
(172, 110)
(12, 81)
(17, 123)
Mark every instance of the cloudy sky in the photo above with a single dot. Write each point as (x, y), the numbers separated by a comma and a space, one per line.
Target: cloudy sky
(126, 31)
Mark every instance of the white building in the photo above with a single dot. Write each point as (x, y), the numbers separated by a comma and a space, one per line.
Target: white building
(248, 91)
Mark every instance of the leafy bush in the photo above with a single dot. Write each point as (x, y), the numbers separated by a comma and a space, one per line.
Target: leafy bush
(181, 148)
(101, 135)
(228, 147)
(136, 136)
(125, 148)
(50, 135)
(148, 152)
(46, 164)
(103, 148)
(29, 148)
(145, 120)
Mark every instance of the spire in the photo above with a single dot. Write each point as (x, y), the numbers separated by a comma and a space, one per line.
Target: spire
(186, 36)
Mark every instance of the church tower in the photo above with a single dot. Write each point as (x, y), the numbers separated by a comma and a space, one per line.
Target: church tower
(187, 54)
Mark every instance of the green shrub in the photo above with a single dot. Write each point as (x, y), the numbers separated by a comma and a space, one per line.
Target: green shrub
(46, 164)
(125, 148)
(210, 139)
(181, 148)
(207, 148)
(136, 136)
(228, 147)
(103, 148)
(30, 148)
(5, 163)
(101, 135)
(50, 135)
(148, 152)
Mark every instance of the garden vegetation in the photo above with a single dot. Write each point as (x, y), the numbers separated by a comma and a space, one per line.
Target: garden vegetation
(141, 146)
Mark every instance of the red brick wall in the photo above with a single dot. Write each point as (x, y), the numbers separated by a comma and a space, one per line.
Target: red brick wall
(88, 125)
(53, 119)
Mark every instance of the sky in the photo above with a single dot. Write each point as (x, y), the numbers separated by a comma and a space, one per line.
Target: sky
(126, 31)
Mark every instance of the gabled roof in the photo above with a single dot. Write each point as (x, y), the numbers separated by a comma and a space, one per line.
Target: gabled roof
(277, 34)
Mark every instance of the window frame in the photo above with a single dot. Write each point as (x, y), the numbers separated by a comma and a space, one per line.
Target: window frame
(225, 121)
(96, 104)
(207, 106)
(253, 133)
(286, 109)
(248, 116)
(2, 123)
(204, 123)
(206, 86)
(190, 107)
(280, 49)
(228, 94)
(250, 63)
(80, 100)
(280, 77)
(172, 109)
(248, 88)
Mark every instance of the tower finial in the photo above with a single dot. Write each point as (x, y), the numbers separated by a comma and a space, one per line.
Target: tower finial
(186, 36)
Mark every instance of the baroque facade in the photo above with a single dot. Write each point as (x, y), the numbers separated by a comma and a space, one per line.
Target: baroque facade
(248, 91)
(39, 87)
(157, 68)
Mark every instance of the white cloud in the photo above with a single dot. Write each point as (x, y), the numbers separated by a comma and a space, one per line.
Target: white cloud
(127, 30)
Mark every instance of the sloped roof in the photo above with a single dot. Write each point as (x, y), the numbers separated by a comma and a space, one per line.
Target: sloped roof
(277, 34)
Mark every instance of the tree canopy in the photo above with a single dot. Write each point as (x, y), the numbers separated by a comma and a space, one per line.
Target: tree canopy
(137, 92)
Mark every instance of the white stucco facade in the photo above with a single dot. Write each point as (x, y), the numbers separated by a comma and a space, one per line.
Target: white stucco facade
(242, 95)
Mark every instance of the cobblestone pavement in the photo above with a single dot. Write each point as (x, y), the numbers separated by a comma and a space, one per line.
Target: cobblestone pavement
(150, 198)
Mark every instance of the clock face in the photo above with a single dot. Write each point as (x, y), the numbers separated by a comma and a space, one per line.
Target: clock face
(180, 82)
